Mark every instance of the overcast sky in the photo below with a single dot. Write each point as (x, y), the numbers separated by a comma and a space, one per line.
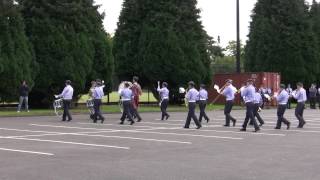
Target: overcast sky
(218, 17)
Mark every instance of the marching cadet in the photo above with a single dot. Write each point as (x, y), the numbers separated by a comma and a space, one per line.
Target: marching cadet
(249, 93)
(66, 94)
(289, 91)
(137, 92)
(126, 98)
(282, 99)
(301, 96)
(164, 96)
(97, 101)
(257, 103)
(229, 92)
(203, 97)
(313, 96)
(192, 96)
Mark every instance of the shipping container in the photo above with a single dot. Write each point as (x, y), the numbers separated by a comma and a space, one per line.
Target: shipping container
(268, 79)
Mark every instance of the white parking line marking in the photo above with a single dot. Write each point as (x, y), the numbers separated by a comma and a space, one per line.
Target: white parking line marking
(116, 125)
(29, 152)
(70, 127)
(67, 142)
(105, 136)
(178, 134)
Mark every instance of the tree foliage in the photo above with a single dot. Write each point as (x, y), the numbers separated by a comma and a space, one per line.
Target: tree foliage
(69, 43)
(162, 40)
(281, 40)
(16, 54)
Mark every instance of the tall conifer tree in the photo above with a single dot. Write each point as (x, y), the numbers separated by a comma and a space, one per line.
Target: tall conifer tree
(16, 54)
(281, 40)
(162, 40)
(70, 43)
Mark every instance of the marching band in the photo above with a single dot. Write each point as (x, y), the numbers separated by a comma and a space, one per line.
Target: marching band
(252, 97)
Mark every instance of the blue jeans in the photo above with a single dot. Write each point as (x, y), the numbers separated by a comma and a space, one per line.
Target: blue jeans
(25, 100)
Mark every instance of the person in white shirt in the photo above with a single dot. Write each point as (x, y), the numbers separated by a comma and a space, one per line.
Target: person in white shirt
(301, 96)
(66, 95)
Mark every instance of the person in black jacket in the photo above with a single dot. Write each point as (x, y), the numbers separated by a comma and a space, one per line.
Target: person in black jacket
(24, 93)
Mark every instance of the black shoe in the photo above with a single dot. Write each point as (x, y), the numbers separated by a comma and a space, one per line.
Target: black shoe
(132, 122)
(243, 129)
(261, 124)
(198, 127)
(167, 117)
(288, 125)
(121, 122)
(139, 120)
(226, 125)
(102, 120)
(63, 120)
(186, 127)
(303, 123)
(95, 121)
(70, 120)
(256, 130)
(277, 128)
(208, 120)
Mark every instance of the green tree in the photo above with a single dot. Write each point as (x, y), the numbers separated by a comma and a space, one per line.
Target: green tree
(281, 40)
(16, 54)
(162, 40)
(315, 20)
(69, 42)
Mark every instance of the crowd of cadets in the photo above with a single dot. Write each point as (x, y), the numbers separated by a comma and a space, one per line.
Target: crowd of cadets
(253, 98)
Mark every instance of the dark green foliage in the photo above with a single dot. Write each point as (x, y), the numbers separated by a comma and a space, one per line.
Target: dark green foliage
(69, 42)
(315, 20)
(281, 40)
(162, 40)
(16, 54)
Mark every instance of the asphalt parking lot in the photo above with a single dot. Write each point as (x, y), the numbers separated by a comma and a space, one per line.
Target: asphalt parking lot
(48, 149)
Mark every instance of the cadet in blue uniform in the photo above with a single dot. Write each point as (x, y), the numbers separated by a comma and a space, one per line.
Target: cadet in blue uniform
(282, 100)
(66, 94)
(164, 96)
(203, 97)
(192, 96)
(229, 93)
(257, 103)
(249, 93)
(301, 96)
(126, 98)
(97, 101)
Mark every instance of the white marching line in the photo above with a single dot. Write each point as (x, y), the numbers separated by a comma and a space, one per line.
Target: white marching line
(178, 134)
(71, 127)
(123, 125)
(105, 136)
(29, 152)
(68, 142)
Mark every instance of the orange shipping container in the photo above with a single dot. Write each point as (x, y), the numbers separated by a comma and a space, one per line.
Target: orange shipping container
(268, 79)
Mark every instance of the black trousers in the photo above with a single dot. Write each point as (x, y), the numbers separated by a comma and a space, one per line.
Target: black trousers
(227, 110)
(192, 115)
(280, 113)
(202, 106)
(134, 112)
(97, 113)
(256, 113)
(250, 115)
(126, 113)
(299, 113)
(289, 103)
(313, 101)
(66, 112)
(164, 105)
